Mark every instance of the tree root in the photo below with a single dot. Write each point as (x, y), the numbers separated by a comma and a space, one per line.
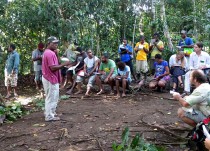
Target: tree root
(99, 144)
(170, 143)
(162, 129)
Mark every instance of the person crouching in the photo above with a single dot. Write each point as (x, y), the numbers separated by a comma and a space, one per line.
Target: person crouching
(161, 76)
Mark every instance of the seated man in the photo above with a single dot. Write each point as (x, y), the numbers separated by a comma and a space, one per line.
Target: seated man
(198, 60)
(91, 64)
(123, 78)
(71, 55)
(108, 73)
(161, 76)
(178, 64)
(79, 64)
(195, 107)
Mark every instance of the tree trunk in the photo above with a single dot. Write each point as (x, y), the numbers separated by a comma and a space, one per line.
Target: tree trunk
(141, 23)
(133, 41)
(195, 21)
(165, 26)
(153, 10)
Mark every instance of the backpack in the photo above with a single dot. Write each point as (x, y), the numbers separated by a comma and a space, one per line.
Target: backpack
(196, 135)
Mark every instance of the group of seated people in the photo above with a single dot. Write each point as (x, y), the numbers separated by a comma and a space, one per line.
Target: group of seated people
(117, 73)
(178, 69)
(99, 71)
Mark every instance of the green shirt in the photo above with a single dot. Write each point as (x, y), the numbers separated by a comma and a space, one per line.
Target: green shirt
(200, 99)
(106, 67)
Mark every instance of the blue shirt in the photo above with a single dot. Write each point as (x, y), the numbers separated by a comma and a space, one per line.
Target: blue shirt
(12, 63)
(126, 56)
(123, 73)
(160, 68)
(187, 41)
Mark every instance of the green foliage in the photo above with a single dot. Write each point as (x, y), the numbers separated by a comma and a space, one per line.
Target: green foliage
(13, 111)
(135, 144)
(64, 97)
(39, 103)
(95, 24)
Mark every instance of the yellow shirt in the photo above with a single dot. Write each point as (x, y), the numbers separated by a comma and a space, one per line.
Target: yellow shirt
(155, 49)
(141, 54)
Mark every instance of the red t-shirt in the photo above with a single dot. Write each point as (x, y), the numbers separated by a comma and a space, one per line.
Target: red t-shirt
(50, 59)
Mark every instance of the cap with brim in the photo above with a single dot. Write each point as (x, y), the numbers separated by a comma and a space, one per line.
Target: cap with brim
(52, 39)
(183, 32)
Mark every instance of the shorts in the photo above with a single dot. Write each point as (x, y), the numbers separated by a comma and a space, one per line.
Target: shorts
(127, 83)
(91, 79)
(141, 66)
(38, 75)
(166, 78)
(103, 77)
(11, 80)
(196, 115)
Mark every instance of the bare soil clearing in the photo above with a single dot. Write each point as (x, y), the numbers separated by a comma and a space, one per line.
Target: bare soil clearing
(94, 123)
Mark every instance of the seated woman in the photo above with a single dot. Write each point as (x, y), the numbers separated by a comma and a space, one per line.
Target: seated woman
(177, 63)
(123, 79)
(161, 76)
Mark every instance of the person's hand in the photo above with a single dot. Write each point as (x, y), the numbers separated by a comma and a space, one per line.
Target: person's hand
(106, 80)
(87, 74)
(66, 63)
(155, 43)
(103, 73)
(117, 77)
(13, 72)
(203, 67)
(176, 96)
(207, 143)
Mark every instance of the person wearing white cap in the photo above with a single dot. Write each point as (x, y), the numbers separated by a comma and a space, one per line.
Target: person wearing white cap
(51, 78)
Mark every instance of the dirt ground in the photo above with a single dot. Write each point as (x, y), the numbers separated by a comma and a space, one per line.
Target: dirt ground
(94, 123)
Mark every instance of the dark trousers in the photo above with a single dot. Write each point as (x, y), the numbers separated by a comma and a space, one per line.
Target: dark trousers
(130, 64)
(176, 72)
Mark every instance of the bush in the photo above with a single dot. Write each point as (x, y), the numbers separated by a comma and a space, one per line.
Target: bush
(13, 111)
(135, 144)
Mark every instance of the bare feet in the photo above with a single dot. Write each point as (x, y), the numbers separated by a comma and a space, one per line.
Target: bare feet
(87, 94)
(118, 95)
(123, 95)
(15, 95)
(7, 96)
(100, 92)
(112, 92)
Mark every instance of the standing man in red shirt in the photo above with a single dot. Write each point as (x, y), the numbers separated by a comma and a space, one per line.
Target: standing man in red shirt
(51, 78)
